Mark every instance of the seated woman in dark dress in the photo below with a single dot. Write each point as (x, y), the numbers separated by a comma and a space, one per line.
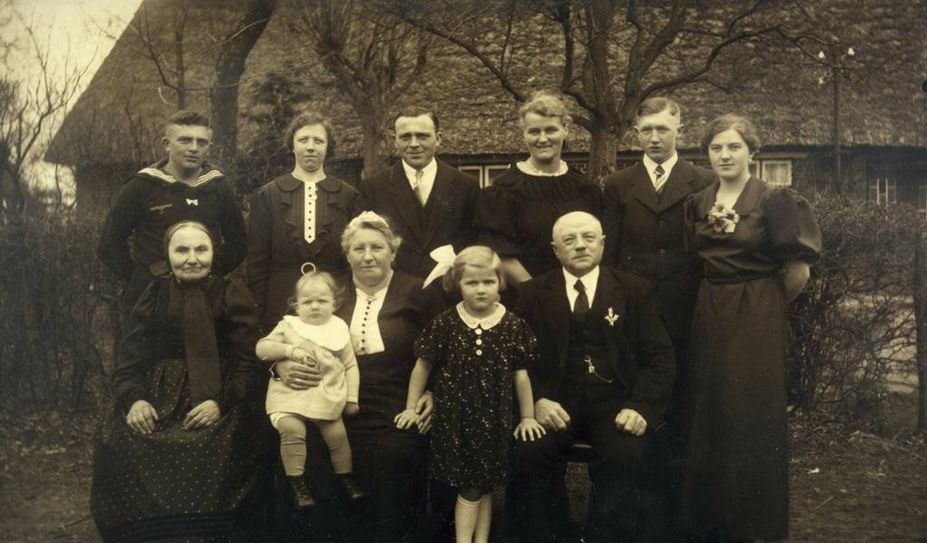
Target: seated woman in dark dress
(173, 458)
(756, 242)
(516, 213)
(386, 311)
(297, 218)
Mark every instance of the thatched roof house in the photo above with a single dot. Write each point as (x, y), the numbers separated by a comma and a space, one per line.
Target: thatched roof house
(882, 111)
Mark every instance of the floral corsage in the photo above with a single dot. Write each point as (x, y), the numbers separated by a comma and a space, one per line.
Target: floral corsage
(723, 219)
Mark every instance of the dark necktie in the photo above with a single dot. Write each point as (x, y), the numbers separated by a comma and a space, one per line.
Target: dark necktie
(659, 180)
(582, 301)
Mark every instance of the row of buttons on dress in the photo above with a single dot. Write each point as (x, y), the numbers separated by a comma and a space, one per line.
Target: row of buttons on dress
(363, 338)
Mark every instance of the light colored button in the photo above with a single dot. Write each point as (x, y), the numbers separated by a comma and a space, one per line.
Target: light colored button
(478, 331)
(479, 341)
(479, 352)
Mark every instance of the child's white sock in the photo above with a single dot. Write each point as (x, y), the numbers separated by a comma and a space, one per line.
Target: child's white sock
(465, 519)
(483, 519)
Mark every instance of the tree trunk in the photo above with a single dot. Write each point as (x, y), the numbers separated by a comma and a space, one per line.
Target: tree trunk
(920, 320)
(374, 158)
(179, 65)
(602, 153)
(223, 99)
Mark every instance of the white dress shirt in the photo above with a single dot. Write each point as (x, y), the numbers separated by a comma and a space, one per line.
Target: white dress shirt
(589, 281)
(668, 164)
(427, 182)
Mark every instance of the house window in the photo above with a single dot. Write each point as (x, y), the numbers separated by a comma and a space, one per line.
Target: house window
(882, 190)
(475, 171)
(485, 174)
(493, 173)
(774, 172)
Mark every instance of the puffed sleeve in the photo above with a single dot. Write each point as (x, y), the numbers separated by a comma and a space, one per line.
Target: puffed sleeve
(495, 218)
(793, 231)
(527, 352)
(431, 345)
(238, 333)
(278, 334)
(135, 350)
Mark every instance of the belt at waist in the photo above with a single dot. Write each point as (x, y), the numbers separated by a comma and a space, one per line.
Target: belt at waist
(739, 277)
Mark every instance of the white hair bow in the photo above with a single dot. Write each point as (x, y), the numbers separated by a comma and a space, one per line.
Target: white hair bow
(444, 256)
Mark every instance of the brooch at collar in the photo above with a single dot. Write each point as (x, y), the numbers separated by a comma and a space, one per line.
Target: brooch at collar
(611, 317)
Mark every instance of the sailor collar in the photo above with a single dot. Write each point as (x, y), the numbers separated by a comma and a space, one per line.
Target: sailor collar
(155, 171)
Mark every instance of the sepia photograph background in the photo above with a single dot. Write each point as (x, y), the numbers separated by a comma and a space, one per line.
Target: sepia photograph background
(838, 89)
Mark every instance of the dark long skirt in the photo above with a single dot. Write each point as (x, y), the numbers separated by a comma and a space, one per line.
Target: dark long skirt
(172, 483)
(738, 465)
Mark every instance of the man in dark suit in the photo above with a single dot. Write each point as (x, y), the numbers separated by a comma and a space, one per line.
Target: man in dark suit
(644, 229)
(604, 377)
(428, 203)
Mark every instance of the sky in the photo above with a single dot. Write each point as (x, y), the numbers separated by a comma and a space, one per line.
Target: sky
(75, 33)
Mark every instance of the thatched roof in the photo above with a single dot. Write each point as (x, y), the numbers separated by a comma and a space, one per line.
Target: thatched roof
(118, 117)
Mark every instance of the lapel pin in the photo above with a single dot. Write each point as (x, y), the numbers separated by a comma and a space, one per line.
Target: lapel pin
(611, 317)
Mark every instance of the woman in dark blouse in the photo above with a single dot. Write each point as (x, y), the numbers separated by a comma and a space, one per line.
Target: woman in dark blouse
(174, 456)
(516, 213)
(756, 242)
(289, 225)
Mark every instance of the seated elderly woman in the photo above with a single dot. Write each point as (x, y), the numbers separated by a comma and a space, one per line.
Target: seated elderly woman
(386, 311)
(173, 456)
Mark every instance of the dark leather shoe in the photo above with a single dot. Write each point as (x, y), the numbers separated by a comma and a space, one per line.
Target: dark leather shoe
(350, 486)
(302, 496)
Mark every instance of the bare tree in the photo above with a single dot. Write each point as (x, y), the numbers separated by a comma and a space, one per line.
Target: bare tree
(373, 57)
(230, 65)
(162, 40)
(608, 56)
(28, 108)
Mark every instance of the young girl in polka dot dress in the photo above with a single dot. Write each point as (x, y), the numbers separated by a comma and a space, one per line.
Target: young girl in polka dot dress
(314, 336)
(478, 349)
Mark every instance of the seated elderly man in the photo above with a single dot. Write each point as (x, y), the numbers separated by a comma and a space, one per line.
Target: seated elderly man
(605, 377)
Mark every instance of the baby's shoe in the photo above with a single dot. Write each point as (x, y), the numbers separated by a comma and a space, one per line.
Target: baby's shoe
(302, 495)
(350, 486)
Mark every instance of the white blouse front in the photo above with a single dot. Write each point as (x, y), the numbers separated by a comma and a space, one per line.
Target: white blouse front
(365, 328)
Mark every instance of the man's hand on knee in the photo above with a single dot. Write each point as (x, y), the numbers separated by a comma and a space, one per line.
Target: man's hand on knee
(631, 421)
(551, 414)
